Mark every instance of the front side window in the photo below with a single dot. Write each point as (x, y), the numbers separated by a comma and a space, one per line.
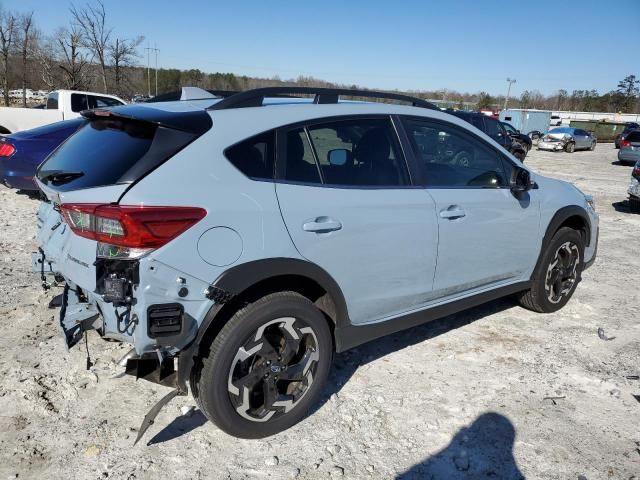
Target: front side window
(494, 129)
(452, 158)
(362, 152)
(254, 156)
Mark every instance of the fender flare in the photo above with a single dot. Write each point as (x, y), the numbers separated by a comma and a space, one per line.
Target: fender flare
(238, 279)
(562, 216)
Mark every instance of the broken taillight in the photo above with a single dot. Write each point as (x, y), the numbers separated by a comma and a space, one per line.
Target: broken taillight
(128, 230)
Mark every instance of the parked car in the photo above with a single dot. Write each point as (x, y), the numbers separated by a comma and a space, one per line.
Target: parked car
(556, 121)
(495, 130)
(60, 105)
(568, 139)
(629, 127)
(515, 134)
(300, 227)
(535, 135)
(22, 152)
(629, 152)
(634, 189)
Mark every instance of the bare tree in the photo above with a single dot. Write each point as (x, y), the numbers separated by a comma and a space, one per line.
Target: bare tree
(74, 61)
(92, 21)
(27, 40)
(123, 55)
(8, 26)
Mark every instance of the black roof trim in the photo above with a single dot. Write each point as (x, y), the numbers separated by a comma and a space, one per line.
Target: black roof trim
(255, 97)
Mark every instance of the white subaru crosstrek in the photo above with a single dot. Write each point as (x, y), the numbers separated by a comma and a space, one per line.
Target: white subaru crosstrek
(237, 242)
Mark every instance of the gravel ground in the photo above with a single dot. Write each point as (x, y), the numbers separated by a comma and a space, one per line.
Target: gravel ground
(463, 397)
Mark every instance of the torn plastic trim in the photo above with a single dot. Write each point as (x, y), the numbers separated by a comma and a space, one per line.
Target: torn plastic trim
(76, 316)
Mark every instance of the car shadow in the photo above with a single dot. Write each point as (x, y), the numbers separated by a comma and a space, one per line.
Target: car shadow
(482, 450)
(32, 194)
(345, 364)
(178, 427)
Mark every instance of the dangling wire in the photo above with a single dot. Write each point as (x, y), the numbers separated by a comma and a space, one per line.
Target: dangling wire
(128, 321)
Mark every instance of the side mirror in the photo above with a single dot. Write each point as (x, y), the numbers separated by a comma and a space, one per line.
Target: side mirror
(338, 157)
(521, 180)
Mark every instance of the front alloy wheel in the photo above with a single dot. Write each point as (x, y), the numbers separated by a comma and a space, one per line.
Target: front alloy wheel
(266, 366)
(562, 272)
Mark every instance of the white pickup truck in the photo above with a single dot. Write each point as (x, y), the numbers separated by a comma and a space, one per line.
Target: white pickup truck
(61, 105)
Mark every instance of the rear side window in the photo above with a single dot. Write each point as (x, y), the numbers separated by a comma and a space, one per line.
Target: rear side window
(102, 102)
(52, 101)
(300, 164)
(634, 137)
(255, 156)
(79, 102)
(362, 152)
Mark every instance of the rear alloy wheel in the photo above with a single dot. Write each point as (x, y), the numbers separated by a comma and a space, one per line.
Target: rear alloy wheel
(266, 367)
(557, 274)
(570, 147)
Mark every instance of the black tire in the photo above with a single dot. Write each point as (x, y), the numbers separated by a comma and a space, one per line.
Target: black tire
(257, 324)
(520, 155)
(634, 205)
(570, 147)
(549, 291)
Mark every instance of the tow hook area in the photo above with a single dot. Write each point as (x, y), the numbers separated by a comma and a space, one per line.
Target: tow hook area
(76, 315)
(157, 369)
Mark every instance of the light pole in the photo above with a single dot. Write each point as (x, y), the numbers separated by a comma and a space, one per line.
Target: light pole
(157, 50)
(506, 100)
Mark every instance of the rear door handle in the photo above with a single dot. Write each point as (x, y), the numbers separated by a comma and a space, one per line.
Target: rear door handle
(453, 212)
(322, 225)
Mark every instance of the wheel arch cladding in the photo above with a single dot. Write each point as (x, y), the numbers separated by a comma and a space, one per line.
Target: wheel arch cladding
(571, 216)
(250, 281)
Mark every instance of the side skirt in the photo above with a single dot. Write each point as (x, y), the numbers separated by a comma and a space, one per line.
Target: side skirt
(351, 336)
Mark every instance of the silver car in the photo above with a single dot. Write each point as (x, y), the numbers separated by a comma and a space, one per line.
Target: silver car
(568, 139)
(629, 152)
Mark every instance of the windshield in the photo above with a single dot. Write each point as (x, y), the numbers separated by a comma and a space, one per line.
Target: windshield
(562, 130)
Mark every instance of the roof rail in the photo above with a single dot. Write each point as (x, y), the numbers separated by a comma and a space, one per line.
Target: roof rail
(255, 97)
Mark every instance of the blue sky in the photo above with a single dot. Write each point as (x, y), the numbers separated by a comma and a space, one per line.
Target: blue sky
(461, 45)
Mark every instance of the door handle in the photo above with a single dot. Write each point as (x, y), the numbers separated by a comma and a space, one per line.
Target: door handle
(322, 225)
(453, 212)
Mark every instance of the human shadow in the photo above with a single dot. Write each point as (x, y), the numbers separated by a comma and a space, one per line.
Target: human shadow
(622, 207)
(482, 450)
(179, 426)
(345, 364)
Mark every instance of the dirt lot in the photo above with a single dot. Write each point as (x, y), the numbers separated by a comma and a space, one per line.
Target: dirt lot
(459, 398)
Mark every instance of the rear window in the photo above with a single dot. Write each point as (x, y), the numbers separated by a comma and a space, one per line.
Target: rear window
(634, 137)
(102, 151)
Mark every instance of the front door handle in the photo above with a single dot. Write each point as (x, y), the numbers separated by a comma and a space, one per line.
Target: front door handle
(322, 225)
(453, 212)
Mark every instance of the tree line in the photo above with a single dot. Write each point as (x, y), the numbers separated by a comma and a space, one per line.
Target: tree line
(88, 54)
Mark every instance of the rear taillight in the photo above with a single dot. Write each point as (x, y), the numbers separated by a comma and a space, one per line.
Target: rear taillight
(6, 150)
(635, 173)
(625, 143)
(126, 231)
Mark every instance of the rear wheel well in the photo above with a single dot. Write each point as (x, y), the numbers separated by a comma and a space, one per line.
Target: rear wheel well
(292, 283)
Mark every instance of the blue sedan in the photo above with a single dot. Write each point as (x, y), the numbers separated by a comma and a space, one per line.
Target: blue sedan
(22, 152)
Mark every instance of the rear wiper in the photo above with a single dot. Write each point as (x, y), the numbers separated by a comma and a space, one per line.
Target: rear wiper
(59, 177)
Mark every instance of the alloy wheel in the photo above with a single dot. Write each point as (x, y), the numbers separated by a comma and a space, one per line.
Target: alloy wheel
(562, 272)
(273, 370)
